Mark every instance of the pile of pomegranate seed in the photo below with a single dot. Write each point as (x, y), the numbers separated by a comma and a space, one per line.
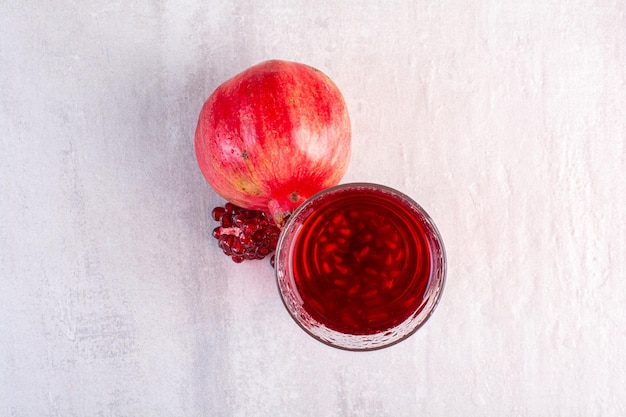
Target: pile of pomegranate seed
(245, 234)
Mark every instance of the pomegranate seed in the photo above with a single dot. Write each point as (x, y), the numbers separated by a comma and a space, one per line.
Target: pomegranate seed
(392, 244)
(259, 235)
(263, 251)
(342, 269)
(245, 233)
(246, 240)
(217, 213)
(354, 289)
(364, 251)
(226, 220)
(345, 231)
(329, 248)
(340, 282)
(370, 293)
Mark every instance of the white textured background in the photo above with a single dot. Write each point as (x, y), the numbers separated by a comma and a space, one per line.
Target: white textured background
(505, 119)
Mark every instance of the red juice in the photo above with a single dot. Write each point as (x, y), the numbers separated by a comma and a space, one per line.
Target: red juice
(361, 261)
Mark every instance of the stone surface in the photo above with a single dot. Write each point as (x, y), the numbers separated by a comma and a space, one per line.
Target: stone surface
(504, 119)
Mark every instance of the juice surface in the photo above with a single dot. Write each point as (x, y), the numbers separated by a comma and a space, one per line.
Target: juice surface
(361, 262)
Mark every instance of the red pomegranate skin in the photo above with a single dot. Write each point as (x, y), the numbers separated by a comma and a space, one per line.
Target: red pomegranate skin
(272, 136)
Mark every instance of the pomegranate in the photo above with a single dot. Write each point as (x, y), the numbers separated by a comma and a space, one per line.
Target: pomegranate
(244, 233)
(272, 136)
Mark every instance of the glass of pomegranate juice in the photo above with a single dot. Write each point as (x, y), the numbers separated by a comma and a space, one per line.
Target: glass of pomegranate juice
(360, 266)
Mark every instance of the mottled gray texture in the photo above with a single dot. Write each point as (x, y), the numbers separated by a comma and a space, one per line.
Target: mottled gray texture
(504, 119)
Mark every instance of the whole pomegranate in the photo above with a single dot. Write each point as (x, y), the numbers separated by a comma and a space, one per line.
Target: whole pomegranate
(272, 136)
